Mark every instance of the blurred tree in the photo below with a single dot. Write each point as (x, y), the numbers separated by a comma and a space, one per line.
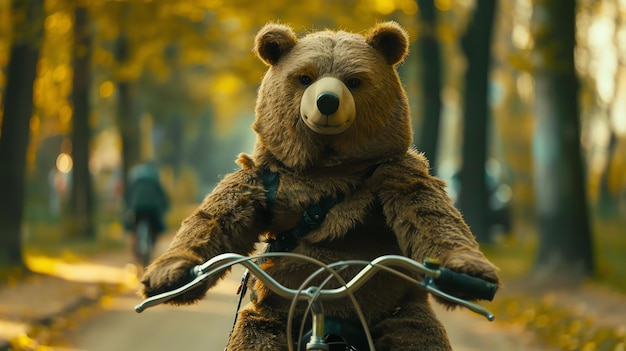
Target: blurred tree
(607, 198)
(564, 231)
(128, 111)
(169, 101)
(148, 79)
(511, 96)
(476, 44)
(27, 17)
(82, 200)
(428, 43)
(610, 98)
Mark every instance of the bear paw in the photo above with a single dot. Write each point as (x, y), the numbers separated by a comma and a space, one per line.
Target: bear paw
(472, 263)
(169, 273)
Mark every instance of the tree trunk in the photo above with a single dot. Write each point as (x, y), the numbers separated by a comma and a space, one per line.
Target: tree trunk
(172, 153)
(473, 196)
(128, 113)
(564, 230)
(431, 81)
(15, 133)
(607, 198)
(82, 201)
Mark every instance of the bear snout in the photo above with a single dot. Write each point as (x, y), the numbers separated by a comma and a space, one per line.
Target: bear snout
(327, 106)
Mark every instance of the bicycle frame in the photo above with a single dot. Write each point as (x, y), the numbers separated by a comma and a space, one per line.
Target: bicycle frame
(433, 275)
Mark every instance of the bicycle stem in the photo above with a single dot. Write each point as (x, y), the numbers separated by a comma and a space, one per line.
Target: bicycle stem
(317, 341)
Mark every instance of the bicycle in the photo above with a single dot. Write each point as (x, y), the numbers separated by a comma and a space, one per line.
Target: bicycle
(144, 239)
(436, 281)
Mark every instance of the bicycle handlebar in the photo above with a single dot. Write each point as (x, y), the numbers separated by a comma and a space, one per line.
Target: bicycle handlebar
(447, 280)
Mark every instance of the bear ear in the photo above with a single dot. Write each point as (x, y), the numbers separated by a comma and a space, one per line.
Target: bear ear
(391, 40)
(273, 41)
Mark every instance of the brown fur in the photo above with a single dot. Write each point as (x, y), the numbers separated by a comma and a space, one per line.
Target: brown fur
(399, 209)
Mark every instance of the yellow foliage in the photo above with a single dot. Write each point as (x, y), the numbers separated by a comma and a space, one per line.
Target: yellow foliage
(65, 114)
(227, 83)
(447, 33)
(443, 5)
(102, 57)
(409, 7)
(58, 23)
(106, 301)
(542, 321)
(384, 6)
(60, 73)
(521, 62)
(41, 264)
(24, 342)
(106, 89)
(223, 91)
(575, 326)
(72, 268)
(196, 56)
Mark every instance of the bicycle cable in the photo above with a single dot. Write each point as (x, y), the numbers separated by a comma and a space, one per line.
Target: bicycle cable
(334, 274)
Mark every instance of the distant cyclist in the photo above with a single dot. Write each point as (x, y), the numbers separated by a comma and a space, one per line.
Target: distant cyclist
(145, 200)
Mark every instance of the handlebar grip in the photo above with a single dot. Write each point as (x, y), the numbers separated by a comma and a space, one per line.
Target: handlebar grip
(472, 287)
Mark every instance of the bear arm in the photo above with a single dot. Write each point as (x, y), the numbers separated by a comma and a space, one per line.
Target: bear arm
(426, 223)
(229, 219)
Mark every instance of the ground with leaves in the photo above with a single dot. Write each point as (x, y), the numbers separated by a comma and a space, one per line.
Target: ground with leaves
(41, 309)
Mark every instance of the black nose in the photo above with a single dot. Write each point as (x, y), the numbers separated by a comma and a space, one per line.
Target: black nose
(328, 103)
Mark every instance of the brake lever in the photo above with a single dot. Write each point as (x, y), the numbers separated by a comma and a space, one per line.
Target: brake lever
(429, 284)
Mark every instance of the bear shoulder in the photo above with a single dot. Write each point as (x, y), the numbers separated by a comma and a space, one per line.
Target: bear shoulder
(406, 169)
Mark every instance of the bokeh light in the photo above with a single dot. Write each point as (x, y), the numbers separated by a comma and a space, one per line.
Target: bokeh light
(64, 163)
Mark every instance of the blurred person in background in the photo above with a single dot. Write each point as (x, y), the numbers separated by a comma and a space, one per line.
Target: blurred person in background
(144, 199)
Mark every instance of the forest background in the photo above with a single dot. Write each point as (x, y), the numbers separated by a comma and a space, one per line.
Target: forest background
(531, 91)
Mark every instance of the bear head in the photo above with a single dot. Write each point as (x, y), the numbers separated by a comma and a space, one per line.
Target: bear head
(331, 97)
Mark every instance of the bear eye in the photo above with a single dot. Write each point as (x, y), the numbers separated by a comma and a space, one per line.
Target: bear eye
(305, 80)
(353, 83)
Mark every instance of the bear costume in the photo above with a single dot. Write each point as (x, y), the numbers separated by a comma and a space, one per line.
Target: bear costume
(333, 126)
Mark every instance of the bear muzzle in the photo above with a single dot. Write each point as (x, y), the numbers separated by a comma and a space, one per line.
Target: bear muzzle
(327, 106)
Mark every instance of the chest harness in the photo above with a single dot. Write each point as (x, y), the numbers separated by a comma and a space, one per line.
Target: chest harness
(287, 240)
(311, 217)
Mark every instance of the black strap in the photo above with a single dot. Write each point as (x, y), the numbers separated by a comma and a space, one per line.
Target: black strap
(311, 218)
(270, 182)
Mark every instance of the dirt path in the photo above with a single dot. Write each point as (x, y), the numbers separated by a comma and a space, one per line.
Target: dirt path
(470, 332)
